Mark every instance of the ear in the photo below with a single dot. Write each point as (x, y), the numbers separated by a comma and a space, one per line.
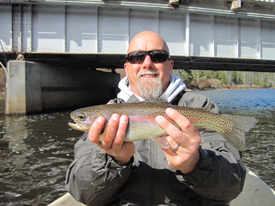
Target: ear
(126, 69)
(171, 66)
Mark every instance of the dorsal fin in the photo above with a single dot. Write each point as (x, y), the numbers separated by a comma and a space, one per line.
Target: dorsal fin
(158, 100)
(208, 109)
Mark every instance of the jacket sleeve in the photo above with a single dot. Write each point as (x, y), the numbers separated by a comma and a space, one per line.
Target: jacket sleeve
(94, 178)
(220, 173)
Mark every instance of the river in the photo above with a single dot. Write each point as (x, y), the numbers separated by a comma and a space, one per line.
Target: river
(35, 150)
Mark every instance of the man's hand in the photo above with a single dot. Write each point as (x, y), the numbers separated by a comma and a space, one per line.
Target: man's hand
(186, 156)
(114, 134)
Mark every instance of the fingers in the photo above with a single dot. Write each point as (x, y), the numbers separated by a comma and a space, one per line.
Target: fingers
(121, 133)
(185, 125)
(184, 141)
(175, 149)
(114, 133)
(96, 129)
(184, 133)
(181, 158)
(110, 130)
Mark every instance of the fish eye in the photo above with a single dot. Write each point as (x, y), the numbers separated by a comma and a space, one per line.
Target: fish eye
(81, 116)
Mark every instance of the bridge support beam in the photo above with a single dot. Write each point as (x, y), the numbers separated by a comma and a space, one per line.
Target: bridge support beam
(35, 87)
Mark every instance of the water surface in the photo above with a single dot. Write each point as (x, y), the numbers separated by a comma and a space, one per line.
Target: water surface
(35, 150)
(259, 154)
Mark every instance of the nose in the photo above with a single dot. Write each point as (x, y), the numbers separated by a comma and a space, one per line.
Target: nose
(147, 63)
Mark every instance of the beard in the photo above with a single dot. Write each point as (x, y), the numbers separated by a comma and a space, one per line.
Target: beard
(150, 89)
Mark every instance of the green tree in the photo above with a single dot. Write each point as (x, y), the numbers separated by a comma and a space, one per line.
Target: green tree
(215, 75)
(240, 79)
(209, 74)
(186, 75)
(235, 77)
(223, 78)
(265, 83)
(256, 79)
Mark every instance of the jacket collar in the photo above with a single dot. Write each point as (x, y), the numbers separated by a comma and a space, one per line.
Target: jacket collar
(175, 87)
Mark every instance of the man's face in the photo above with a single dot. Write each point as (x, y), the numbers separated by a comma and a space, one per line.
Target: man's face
(148, 79)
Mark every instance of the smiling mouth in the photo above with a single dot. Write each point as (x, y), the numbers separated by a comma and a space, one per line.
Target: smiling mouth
(149, 75)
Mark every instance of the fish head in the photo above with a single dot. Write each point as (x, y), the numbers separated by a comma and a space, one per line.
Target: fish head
(82, 120)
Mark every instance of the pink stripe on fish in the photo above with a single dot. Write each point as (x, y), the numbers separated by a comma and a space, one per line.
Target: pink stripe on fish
(142, 118)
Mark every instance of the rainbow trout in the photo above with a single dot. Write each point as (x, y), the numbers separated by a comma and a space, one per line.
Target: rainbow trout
(142, 123)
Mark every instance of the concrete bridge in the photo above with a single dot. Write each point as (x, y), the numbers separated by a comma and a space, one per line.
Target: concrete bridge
(74, 36)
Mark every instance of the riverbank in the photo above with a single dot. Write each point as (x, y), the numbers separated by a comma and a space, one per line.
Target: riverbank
(215, 84)
(2, 82)
(189, 88)
(2, 95)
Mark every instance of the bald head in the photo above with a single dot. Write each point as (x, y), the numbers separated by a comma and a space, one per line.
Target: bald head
(147, 41)
(150, 78)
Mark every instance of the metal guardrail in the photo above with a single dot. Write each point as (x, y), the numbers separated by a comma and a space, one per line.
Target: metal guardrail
(265, 1)
(121, 2)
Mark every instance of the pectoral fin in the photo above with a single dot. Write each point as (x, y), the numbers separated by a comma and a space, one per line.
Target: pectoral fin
(161, 141)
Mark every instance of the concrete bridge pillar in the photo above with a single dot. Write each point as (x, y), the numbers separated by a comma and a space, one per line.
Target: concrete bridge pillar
(35, 87)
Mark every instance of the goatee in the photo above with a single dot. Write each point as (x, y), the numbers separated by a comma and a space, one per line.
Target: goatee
(149, 89)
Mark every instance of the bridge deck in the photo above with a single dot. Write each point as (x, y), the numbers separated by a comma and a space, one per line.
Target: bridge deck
(206, 35)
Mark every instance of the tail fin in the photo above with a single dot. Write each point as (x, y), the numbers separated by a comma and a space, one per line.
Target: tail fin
(240, 125)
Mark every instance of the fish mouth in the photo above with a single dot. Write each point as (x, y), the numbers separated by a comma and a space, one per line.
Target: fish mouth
(78, 127)
(73, 125)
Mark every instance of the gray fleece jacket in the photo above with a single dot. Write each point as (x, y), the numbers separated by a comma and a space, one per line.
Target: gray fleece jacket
(94, 178)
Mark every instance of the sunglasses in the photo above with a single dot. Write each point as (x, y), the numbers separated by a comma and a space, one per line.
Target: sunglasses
(137, 57)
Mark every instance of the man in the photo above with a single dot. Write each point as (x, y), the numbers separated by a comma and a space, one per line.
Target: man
(197, 168)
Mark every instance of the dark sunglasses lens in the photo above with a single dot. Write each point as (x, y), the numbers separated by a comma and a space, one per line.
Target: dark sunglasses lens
(136, 57)
(159, 57)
